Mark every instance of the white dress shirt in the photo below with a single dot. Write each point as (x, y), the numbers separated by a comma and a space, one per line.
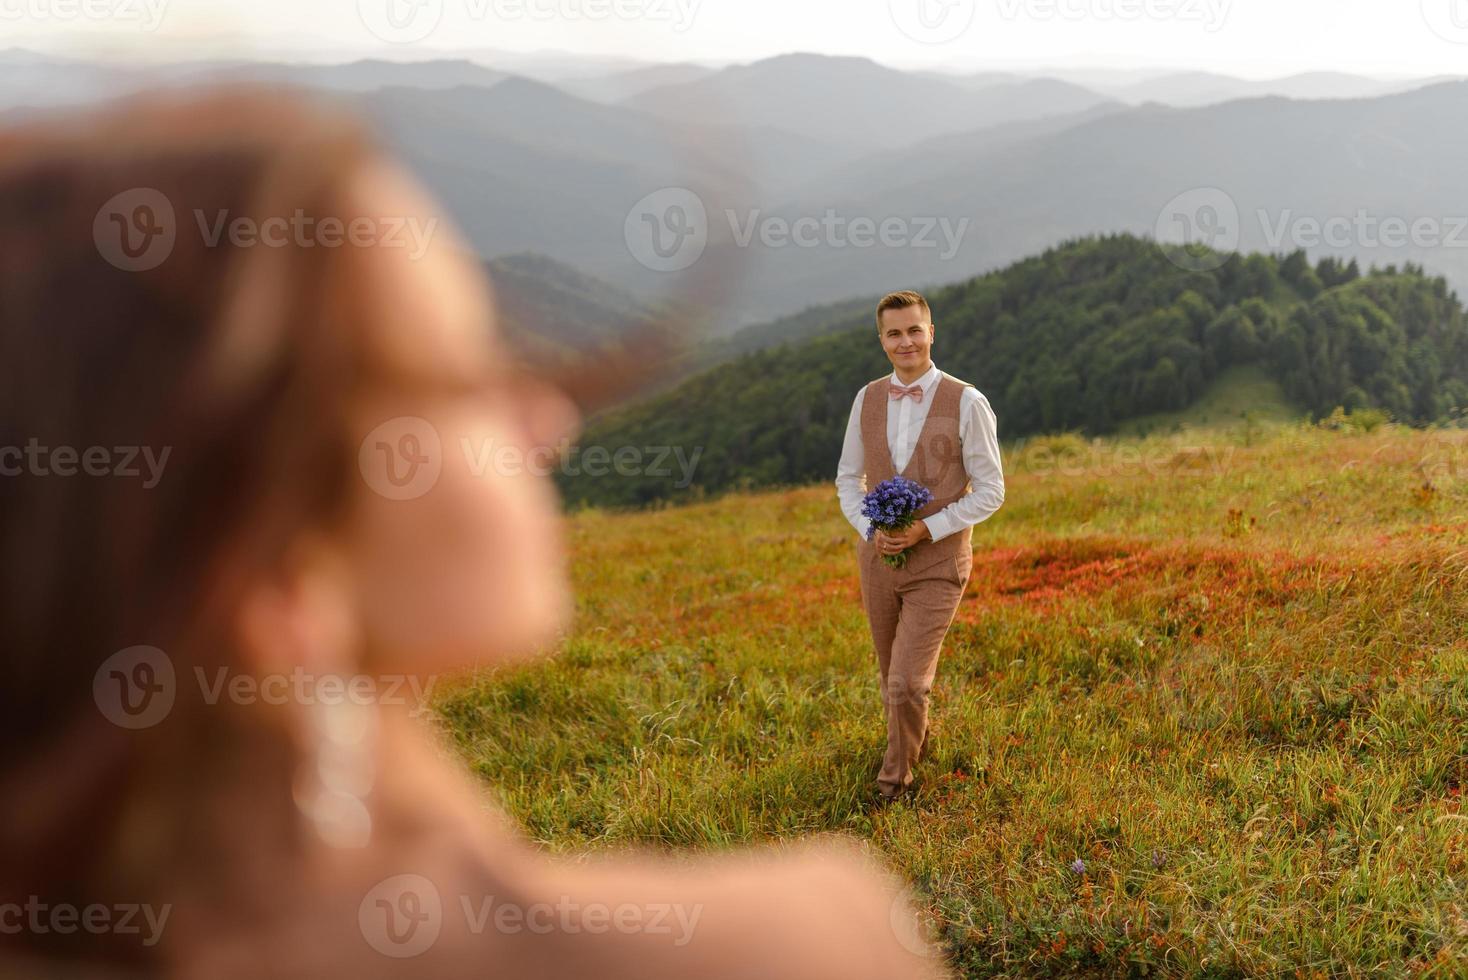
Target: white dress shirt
(977, 435)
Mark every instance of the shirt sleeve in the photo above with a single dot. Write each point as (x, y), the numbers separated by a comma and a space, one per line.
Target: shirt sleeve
(978, 433)
(851, 482)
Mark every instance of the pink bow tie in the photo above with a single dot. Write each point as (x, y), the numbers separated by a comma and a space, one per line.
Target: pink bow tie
(895, 392)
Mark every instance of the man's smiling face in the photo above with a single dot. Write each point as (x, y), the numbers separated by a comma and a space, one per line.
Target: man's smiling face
(907, 337)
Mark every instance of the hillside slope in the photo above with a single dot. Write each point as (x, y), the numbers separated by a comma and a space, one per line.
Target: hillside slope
(1081, 337)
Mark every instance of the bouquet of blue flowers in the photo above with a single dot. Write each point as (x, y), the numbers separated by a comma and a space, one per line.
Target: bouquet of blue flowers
(891, 506)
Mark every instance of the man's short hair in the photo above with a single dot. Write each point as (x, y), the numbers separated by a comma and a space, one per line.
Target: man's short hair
(901, 300)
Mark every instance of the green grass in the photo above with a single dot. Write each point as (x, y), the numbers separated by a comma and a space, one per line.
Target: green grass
(1230, 678)
(1238, 395)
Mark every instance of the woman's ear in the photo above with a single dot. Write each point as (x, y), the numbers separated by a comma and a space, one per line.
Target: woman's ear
(301, 617)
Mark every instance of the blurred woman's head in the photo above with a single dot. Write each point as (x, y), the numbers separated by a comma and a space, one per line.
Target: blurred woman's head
(253, 457)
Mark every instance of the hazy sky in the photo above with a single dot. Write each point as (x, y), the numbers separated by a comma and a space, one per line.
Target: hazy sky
(1252, 38)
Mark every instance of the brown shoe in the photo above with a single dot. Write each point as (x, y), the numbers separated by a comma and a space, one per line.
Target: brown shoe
(881, 800)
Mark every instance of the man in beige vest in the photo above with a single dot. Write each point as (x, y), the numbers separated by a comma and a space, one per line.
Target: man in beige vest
(924, 424)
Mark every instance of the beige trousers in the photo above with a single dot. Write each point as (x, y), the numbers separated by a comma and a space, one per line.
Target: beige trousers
(909, 614)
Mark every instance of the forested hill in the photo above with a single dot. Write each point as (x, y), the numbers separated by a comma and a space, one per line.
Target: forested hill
(1084, 336)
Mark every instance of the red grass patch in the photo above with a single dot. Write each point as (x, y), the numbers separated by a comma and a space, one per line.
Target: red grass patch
(1074, 566)
(1195, 587)
(1208, 581)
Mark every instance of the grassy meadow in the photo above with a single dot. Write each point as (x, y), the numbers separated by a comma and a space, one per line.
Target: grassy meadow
(1202, 711)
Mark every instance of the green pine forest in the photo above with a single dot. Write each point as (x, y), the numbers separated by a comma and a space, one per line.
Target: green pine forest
(1084, 337)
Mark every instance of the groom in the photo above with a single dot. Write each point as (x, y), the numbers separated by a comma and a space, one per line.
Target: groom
(924, 424)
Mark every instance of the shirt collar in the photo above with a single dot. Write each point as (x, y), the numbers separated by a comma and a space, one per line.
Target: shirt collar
(926, 382)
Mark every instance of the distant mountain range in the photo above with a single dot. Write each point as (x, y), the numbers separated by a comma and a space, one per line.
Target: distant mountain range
(29, 80)
(976, 168)
(622, 85)
(1196, 88)
(1323, 175)
(855, 102)
(516, 182)
(41, 79)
